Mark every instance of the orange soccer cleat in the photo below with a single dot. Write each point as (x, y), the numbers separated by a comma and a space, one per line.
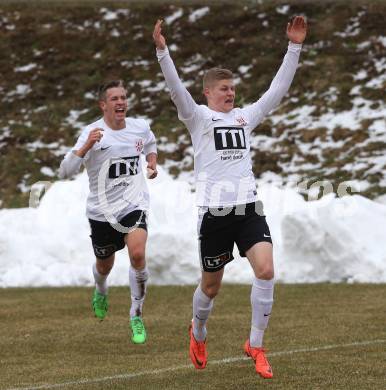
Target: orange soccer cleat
(197, 351)
(262, 366)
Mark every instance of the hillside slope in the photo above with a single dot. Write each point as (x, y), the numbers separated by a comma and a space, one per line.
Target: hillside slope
(331, 126)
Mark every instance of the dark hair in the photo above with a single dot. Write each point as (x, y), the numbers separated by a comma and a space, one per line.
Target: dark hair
(216, 74)
(107, 85)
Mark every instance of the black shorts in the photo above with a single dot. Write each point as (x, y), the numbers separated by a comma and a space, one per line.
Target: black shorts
(218, 234)
(106, 240)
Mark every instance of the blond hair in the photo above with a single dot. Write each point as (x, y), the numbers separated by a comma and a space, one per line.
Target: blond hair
(216, 74)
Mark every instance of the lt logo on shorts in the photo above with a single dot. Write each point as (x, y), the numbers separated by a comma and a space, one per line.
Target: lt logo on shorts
(216, 262)
(103, 252)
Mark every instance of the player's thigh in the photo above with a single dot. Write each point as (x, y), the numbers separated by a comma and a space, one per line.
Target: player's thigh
(105, 240)
(251, 229)
(215, 243)
(260, 256)
(136, 242)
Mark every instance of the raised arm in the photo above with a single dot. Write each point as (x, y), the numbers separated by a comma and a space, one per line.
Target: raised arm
(296, 33)
(181, 97)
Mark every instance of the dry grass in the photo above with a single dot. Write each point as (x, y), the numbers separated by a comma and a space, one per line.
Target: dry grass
(49, 336)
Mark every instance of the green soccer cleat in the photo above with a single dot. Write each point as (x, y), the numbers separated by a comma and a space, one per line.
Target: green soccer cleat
(138, 330)
(100, 304)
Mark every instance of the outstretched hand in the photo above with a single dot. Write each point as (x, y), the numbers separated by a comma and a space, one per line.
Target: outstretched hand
(159, 39)
(297, 29)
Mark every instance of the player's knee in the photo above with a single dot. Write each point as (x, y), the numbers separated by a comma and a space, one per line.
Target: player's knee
(137, 257)
(104, 267)
(211, 290)
(265, 273)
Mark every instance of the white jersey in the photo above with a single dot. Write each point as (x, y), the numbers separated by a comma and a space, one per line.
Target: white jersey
(221, 141)
(116, 181)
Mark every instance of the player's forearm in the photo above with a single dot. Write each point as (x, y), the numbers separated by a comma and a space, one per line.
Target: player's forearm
(283, 79)
(179, 94)
(81, 152)
(70, 165)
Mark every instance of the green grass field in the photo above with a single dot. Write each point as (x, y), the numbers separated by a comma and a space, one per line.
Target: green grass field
(321, 336)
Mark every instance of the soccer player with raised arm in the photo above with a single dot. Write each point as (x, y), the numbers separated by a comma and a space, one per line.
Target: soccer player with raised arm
(226, 191)
(110, 149)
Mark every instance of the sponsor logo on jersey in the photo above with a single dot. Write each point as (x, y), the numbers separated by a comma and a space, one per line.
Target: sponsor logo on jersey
(216, 262)
(123, 166)
(139, 145)
(230, 137)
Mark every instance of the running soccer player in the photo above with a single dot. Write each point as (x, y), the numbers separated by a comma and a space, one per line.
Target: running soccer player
(110, 149)
(226, 191)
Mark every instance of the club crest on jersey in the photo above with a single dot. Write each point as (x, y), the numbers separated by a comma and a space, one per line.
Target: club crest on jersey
(241, 121)
(139, 145)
